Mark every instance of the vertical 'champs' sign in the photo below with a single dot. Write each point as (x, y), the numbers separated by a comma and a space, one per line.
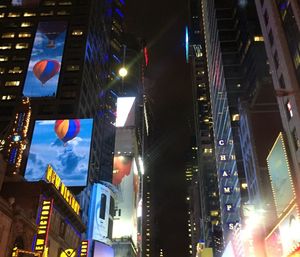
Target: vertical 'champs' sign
(43, 226)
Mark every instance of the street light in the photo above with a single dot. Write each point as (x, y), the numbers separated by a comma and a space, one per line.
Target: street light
(123, 72)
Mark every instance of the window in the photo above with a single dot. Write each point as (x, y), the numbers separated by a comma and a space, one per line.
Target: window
(50, 13)
(24, 34)
(15, 70)
(235, 117)
(77, 32)
(49, 3)
(258, 38)
(8, 97)
(65, 3)
(5, 46)
(22, 45)
(29, 14)
(2, 15)
(3, 58)
(15, 83)
(26, 24)
(2, 70)
(13, 14)
(102, 207)
(72, 68)
(8, 35)
(63, 13)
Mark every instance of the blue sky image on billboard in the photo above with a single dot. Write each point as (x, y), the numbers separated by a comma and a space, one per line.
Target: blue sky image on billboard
(65, 145)
(45, 61)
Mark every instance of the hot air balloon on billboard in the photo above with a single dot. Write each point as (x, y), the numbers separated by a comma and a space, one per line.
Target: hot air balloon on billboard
(45, 70)
(66, 130)
(52, 30)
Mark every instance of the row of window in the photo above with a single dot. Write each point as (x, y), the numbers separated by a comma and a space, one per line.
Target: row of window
(26, 14)
(17, 46)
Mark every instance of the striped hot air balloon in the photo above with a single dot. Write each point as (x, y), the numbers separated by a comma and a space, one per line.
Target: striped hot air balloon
(46, 69)
(66, 130)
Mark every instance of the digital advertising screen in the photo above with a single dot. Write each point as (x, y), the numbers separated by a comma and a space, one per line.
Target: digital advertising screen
(45, 61)
(273, 244)
(102, 250)
(229, 251)
(125, 112)
(279, 171)
(126, 179)
(65, 145)
(289, 231)
(98, 228)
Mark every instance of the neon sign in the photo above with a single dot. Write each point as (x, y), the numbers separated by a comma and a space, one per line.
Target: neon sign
(43, 226)
(54, 179)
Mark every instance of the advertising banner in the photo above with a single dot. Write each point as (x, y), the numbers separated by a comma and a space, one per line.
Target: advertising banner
(65, 144)
(125, 220)
(100, 214)
(279, 171)
(45, 61)
(125, 112)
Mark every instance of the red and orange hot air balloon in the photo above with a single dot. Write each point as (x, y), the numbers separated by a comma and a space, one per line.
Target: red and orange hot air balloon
(66, 130)
(46, 69)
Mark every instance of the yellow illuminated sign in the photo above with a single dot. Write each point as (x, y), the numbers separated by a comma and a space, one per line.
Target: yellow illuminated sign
(54, 179)
(84, 248)
(43, 226)
(68, 253)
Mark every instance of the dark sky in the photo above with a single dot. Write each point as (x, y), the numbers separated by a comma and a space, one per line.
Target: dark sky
(161, 24)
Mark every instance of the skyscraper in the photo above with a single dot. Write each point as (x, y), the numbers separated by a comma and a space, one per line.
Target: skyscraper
(204, 196)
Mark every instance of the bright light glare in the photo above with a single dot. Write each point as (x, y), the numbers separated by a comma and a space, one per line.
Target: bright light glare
(141, 164)
(123, 72)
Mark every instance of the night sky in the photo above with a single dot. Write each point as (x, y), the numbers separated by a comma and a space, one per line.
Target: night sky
(162, 25)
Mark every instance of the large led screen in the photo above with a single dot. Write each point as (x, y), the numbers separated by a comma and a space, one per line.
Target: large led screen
(289, 231)
(102, 250)
(279, 171)
(99, 213)
(45, 61)
(125, 112)
(126, 179)
(65, 145)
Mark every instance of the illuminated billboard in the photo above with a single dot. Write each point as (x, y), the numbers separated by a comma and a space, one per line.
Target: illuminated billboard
(65, 145)
(289, 231)
(102, 250)
(125, 112)
(125, 220)
(279, 171)
(101, 214)
(45, 61)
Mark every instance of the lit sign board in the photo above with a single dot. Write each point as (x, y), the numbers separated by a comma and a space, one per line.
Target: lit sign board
(45, 61)
(84, 248)
(289, 231)
(54, 179)
(99, 213)
(125, 112)
(279, 171)
(63, 143)
(125, 219)
(43, 226)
